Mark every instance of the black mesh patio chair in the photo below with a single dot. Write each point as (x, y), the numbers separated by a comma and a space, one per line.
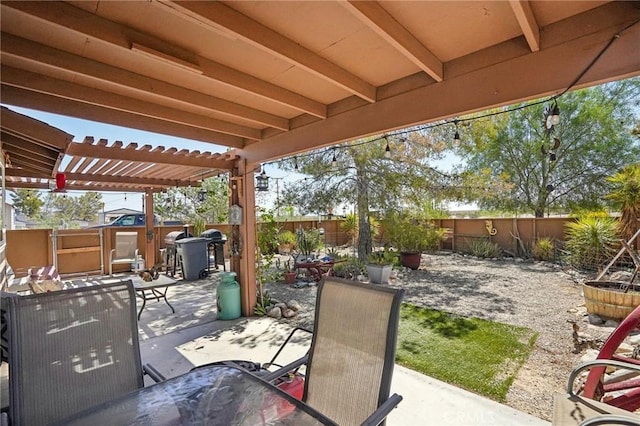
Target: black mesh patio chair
(573, 409)
(70, 350)
(350, 363)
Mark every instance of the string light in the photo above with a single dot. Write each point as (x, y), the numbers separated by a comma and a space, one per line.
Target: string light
(334, 160)
(387, 150)
(295, 163)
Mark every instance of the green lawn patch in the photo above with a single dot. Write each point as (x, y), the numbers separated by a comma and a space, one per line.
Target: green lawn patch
(478, 355)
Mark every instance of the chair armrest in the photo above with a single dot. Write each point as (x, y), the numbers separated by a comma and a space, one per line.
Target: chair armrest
(111, 253)
(152, 372)
(383, 411)
(612, 419)
(597, 363)
(285, 369)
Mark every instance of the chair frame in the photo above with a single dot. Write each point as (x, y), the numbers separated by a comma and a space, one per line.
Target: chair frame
(122, 260)
(17, 362)
(385, 402)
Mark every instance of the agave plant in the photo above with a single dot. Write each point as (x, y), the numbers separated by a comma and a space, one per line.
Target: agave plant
(591, 241)
(625, 195)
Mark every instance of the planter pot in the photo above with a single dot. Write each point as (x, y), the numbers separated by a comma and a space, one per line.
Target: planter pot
(289, 277)
(410, 260)
(605, 298)
(284, 249)
(379, 274)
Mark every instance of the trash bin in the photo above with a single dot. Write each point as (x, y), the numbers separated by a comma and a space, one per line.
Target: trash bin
(194, 257)
(228, 299)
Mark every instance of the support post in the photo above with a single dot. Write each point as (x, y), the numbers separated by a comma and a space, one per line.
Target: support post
(150, 250)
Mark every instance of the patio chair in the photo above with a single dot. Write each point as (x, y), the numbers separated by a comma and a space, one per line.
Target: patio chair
(70, 350)
(350, 363)
(572, 409)
(126, 250)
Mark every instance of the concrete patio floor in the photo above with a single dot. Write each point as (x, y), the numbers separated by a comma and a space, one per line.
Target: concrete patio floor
(175, 343)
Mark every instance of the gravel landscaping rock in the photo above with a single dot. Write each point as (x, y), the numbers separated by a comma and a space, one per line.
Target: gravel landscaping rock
(537, 295)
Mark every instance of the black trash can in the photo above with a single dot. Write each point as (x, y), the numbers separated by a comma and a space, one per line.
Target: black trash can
(194, 256)
(216, 240)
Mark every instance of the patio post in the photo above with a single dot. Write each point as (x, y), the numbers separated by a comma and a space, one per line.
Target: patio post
(243, 241)
(150, 251)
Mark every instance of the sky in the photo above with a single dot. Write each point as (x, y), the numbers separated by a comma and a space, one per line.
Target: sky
(116, 200)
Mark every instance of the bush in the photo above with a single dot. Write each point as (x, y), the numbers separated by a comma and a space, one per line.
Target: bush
(287, 237)
(485, 248)
(411, 234)
(308, 241)
(349, 268)
(382, 257)
(543, 249)
(591, 241)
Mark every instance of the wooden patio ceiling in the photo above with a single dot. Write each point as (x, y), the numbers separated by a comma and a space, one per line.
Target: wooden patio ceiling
(37, 151)
(275, 78)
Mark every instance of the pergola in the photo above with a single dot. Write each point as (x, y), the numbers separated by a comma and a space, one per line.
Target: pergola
(270, 79)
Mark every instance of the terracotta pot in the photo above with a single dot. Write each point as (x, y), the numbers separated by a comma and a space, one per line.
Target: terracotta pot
(289, 277)
(410, 260)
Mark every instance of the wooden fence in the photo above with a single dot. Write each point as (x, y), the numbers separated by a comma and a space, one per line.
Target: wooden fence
(86, 251)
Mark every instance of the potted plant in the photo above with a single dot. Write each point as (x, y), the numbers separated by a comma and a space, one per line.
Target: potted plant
(289, 273)
(308, 241)
(411, 236)
(286, 242)
(379, 266)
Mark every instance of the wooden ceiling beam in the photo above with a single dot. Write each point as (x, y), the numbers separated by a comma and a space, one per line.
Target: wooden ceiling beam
(527, 21)
(141, 181)
(33, 130)
(372, 14)
(103, 187)
(63, 89)
(219, 15)
(120, 36)
(16, 142)
(492, 86)
(20, 48)
(44, 102)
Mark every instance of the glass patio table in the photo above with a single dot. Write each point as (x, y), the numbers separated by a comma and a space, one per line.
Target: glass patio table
(210, 395)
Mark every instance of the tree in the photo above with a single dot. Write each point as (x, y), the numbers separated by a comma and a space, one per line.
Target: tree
(185, 204)
(625, 195)
(359, 173)
(565, 166)
(27, 202)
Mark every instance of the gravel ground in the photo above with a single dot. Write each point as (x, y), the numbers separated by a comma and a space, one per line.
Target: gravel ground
(540, 296)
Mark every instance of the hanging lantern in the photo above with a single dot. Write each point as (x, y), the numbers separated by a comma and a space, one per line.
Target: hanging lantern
(262, 182)
(61, 183)
(202, 196)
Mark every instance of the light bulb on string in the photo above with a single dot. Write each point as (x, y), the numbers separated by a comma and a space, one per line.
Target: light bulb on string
(295, 163)
(387, 150)
(456, 136)
(334, 160)
(125, 196)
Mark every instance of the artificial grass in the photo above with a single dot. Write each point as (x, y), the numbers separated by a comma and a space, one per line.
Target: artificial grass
(478, 355)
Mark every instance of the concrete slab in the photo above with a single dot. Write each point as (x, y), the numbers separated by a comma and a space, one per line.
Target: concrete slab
(426, 400)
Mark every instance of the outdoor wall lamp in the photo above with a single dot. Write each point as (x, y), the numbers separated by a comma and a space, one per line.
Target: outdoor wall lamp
(262, 182)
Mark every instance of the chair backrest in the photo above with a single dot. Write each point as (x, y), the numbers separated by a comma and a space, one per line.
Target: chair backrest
(353, 349)
(126, 245)
(70, 350)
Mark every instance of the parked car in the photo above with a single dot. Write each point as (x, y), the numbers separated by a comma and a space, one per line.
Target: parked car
(138, 219)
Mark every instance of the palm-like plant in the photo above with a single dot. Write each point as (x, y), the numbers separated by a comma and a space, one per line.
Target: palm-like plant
(625, 195)
(591, 241)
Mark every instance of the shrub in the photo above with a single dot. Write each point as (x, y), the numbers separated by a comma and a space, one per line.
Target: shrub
(591, 240)
(543, 249)
(308, 241)
(382, 257)
(485, 248)
(349, 268)
(286, 237)
(411, 234)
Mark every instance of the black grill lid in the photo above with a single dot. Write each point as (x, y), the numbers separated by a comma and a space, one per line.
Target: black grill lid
(171, 238)
(214, 235)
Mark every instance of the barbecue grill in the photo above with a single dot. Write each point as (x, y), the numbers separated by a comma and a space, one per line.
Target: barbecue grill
(216, 240)
(171, 257)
